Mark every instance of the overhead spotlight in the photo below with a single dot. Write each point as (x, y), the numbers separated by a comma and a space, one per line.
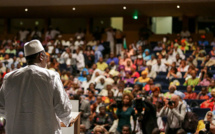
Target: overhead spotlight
(73, 8)
(178, 6)
(26, 9)
(124, 7)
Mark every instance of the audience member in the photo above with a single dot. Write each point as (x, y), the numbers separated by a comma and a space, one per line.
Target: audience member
(174, 114)
(190, 94)
(201, 124)
(124, 113)
(203, 94)
(210, 102)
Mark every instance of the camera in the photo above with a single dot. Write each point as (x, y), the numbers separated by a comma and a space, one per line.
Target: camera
(207, 127)
(170, 103)
(139, 105)
(118, 102)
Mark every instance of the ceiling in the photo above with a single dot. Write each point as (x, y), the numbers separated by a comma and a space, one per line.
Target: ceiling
(98, 8)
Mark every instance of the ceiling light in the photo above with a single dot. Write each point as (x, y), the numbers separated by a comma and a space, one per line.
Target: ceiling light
(26, 9)
(73, 8)
(124, 7)
(178, 6)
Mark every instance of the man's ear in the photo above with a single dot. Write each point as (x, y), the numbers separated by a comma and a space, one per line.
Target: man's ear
(41, 56)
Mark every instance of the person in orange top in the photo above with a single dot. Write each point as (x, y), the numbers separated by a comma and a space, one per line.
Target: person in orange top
(212, 52)
(155, 97)
(203, 94)
(190, 94)
(209, 103)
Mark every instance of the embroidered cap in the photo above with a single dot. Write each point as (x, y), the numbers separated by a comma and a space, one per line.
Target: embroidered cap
(33, 47)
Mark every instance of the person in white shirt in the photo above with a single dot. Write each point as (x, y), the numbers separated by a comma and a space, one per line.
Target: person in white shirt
(167, 61)
(23, 34)
(153, 61)
(92, 43)
(173, 73)
(2, 67)
(80, 33)
(32, 99)
(85, 84)
(185, 33)
(7, 59)
(78, 43)
(183, 66)
(175, 114)
(110, 38)
(159, 67)
(79, 57)
(151, 73)
(54, 33)
(178, 51)
(100, 84)
(65, 55)
(21, 58)
(108, 87)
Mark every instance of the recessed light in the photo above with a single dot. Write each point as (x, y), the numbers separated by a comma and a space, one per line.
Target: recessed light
(178, 6)
(73, 8)
(26, 9)
(124, 7)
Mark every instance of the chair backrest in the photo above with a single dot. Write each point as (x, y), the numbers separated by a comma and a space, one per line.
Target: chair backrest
(201, 112)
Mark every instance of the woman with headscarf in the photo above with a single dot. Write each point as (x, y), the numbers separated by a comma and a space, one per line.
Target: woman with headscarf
(97, 75)
(146, 55)
(156, 98)
(121, 70)
(169, 94)
(201, 124)
(139, 60)
(143, 79)
(134, 73)
(181, 99)
(83, 76)
(108, 87)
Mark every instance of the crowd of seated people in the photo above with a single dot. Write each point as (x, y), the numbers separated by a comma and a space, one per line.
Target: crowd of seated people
(180, 70)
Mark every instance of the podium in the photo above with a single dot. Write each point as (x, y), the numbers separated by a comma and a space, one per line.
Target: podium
(75, 127)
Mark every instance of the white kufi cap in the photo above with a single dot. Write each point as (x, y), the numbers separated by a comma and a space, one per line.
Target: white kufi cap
(33, 47)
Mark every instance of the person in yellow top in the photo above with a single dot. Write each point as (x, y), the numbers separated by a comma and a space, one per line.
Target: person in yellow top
(101, 65)
(201, 124)
(143, 79)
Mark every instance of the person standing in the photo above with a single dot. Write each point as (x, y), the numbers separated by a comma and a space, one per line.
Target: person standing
(175, 115)
(110, 38)
(32, 98)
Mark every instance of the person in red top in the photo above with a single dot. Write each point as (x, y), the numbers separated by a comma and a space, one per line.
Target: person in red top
(209, 103)
(134, 73)
(139, 60)
(203, 94)
(190, 94)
